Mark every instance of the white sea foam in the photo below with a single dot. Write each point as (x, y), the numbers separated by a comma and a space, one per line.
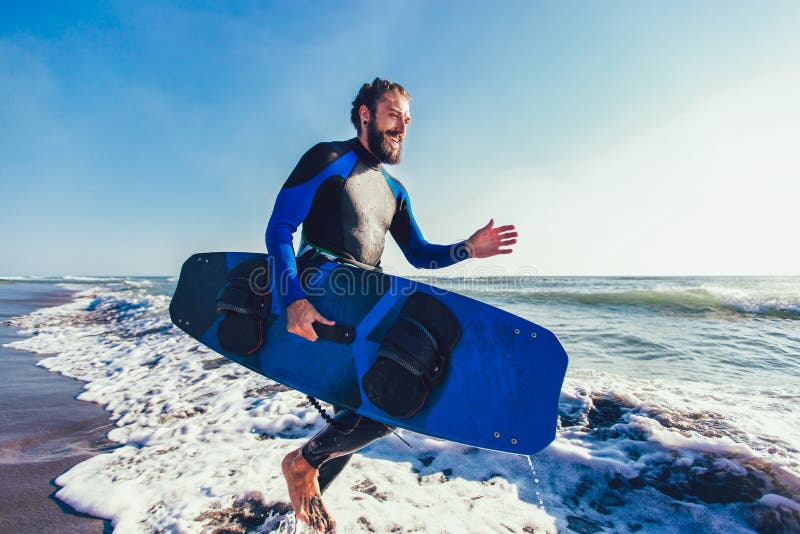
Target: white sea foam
(137, 283)
(76, 278)
(202, 439)
(757, 295)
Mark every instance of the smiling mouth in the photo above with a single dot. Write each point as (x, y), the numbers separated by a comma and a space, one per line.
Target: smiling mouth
(395, 138)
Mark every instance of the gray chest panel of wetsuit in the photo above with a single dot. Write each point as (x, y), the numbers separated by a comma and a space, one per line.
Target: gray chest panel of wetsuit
(368, 207)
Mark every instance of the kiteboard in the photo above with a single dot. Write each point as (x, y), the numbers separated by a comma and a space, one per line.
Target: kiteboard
(403, 352)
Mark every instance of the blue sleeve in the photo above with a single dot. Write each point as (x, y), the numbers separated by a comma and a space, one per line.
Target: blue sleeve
(291, 208)
(419, 252)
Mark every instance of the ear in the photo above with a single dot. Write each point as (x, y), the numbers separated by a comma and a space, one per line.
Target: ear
(363, 112)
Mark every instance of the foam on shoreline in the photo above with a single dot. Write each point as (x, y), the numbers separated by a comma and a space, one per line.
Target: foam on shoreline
(202, 441)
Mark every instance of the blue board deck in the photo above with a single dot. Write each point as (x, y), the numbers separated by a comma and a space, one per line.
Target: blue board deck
(505, 374)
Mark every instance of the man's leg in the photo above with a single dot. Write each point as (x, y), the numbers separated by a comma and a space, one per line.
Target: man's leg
(330, 470)
(303, 468)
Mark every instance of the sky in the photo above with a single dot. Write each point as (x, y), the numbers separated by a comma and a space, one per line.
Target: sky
(621, 138)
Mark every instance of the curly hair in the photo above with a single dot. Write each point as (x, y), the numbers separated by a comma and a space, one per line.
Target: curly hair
(370, 94)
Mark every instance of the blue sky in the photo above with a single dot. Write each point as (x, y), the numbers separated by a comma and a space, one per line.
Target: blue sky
(623, 138)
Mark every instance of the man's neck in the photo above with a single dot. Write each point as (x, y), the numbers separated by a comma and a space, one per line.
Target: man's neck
(363, 140)
(366, 153)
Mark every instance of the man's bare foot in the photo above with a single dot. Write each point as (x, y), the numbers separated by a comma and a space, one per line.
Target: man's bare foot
(304, 493)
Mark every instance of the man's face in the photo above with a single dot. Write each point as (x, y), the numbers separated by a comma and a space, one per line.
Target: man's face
(386, 130)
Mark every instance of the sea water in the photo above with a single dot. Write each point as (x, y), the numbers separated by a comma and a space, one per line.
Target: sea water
(679, 413)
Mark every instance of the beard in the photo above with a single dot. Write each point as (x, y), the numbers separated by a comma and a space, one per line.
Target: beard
(381, 147)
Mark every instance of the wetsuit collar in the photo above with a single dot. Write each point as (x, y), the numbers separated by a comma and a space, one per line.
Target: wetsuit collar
(364, 154)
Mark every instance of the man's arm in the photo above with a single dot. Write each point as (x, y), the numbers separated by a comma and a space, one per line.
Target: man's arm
(485, 242)
(417, 250)
(291, 208)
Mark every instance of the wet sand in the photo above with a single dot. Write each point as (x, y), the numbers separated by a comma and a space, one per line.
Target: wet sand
(44, 430)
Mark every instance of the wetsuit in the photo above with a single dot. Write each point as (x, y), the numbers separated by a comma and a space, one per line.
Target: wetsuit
(346, 202)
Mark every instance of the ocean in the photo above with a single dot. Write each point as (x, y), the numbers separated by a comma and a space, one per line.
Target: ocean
(679, 413)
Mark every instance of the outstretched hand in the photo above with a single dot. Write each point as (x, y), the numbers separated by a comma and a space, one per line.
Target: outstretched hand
(488, 241)
(300, 318)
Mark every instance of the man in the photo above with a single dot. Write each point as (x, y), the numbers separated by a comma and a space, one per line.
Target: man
(346, 202)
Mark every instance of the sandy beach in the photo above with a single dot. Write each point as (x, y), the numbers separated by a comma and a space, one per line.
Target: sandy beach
(44, 431)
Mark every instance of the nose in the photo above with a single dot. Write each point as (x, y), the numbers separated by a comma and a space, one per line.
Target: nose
(401, 126)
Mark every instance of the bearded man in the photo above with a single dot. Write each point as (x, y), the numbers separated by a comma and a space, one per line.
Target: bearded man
(347, 202)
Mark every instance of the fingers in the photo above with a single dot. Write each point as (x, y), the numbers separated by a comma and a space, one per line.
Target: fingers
(320, 319)
(308, 327)
(507, 235)
(309, 333)
(505, 243)
(489, 225)
(306, 331)
(303, 329)
(301, 316)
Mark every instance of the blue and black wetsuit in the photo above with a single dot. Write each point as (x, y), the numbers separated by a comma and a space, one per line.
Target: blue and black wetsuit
(346, 202)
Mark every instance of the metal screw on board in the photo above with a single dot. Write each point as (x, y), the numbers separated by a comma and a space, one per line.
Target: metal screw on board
(533, 335)
(513, 441)
(497, 434)
(516, 331)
